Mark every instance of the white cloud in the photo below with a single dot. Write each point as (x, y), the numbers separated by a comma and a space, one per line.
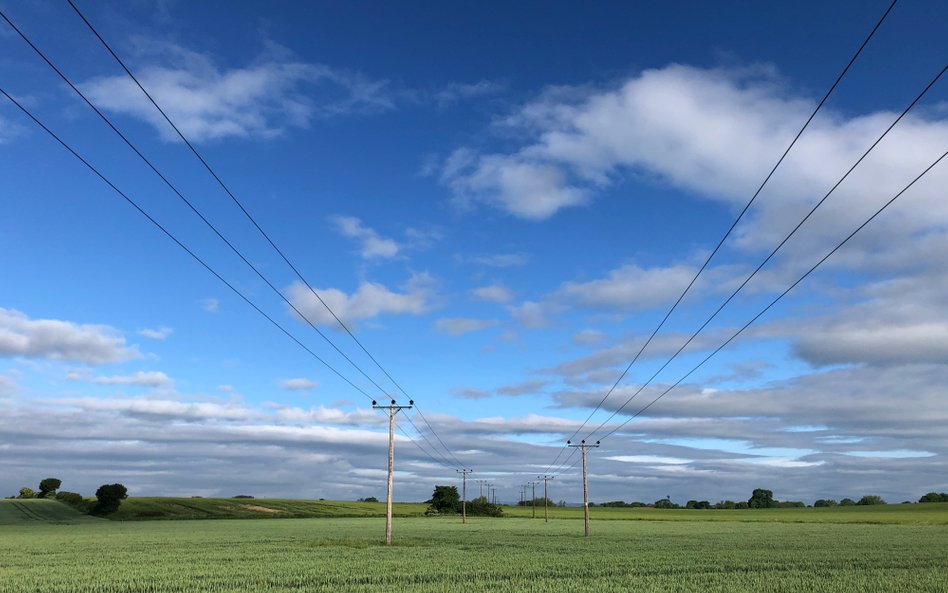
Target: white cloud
(627, 288)
(530, 315)
(587, 337)
(457, 91)
(713, 132)
(158, 333)
(368, 301)
(298, 384)
(142, 378)
(456, 326)
(260, 100)
(211, 305)
(61, 340)
(372, 245)
(494, 293)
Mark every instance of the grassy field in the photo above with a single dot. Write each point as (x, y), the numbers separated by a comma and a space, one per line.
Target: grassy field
(497, 555)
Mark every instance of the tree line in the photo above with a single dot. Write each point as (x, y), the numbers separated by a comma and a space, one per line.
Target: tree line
(108, 497)
(764, 499)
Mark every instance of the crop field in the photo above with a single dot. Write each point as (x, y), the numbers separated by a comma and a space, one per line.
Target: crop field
(498, 555)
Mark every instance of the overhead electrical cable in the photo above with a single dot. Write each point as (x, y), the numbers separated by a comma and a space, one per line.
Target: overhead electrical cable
(780, 296)
(197, 212)
(774, 251)
(251, 218)
(727, 234)
(186, 249)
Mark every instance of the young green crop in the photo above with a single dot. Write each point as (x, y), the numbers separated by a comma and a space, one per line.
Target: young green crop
(497, 555)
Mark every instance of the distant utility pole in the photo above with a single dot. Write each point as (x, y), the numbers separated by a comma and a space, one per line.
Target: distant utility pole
(582, 446)
(464, 473)
(392, 410)
(533, 485)
(492, 493)
(546, 499)
(481, 484)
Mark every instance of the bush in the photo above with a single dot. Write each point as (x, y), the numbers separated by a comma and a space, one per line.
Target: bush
(27, 492)
(825, 502)
(71, 498)
(368, 499)
(870, 499)
(242, 496)
(479, 507)
(934, 497)
(664, 503)
(847, 502)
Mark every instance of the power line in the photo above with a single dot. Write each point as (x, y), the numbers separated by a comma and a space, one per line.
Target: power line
(779, 297)
(259, 228)
(184, 247)
(774, 251)
(731, 228)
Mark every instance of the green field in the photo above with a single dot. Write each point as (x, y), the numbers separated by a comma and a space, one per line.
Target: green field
(38, 511)
(905, 553)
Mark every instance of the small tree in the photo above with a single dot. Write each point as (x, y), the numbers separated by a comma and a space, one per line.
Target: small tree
(27, 492)
(480, 507)
(762, 499)
(48, 487)
(870, 499)
(825, 502)
(847, 502)
(934, 497)
(368, 499)
(445, 499)
(109, 497)
(664, 503)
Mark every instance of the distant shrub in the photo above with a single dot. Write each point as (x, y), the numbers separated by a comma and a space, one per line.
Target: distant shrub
(934, 497)
(870, 499)
(242, 496)
(791, 504)
(741, 505)
(847, 502)
(664, 503)
(71, 498)
(27, 492)
(725, 504)
(368, 499)
(825, 502)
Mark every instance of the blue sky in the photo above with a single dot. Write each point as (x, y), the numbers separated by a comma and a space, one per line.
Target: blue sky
(502, 201)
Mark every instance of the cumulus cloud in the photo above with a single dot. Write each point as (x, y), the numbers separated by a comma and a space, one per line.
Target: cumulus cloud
(494, 293)
(368, 301)
(456, 326)
(298, 384)
(61, 340)
(372, 245)
(158, 333)
(260, 100)
(140, 378)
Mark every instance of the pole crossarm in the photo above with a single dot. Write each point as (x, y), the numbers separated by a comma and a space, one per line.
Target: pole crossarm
(392, 410)
(582, 446)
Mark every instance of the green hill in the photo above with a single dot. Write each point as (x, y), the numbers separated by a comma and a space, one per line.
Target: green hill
(147, 508)
(38, 510)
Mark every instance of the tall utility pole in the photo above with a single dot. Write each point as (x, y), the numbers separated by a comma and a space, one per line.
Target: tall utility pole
(546, 499)
(464, 473)
(533, 485)
(582, 446)
(392, 410)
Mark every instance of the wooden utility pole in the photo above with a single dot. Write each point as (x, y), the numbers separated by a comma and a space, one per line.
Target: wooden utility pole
(582, 446)
(546, 499)
(392, 410)
(464, 473)
(533, 485)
